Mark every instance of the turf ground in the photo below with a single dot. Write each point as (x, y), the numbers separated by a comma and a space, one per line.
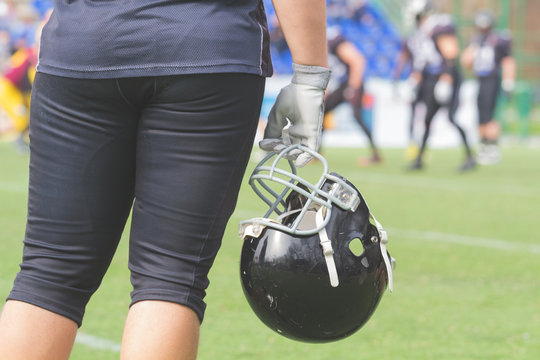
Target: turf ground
(466, 285)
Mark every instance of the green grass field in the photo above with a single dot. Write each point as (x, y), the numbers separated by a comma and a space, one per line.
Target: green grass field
(466, 284)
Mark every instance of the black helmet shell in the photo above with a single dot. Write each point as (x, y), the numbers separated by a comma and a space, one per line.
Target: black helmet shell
(285, 279)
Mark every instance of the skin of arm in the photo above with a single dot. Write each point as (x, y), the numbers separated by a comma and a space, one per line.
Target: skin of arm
(348, 53)
(508, 65)
(449, 47)
(467, 58)
(304, 26)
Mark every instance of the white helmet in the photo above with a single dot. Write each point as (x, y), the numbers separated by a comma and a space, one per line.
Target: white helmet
(417, 9)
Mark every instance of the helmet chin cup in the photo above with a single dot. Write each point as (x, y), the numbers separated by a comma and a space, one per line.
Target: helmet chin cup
(298, 271)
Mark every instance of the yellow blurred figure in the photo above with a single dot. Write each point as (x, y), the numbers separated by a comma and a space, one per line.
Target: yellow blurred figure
(15, 89)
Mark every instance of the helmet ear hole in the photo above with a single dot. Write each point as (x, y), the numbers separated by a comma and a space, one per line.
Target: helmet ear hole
(356, 247)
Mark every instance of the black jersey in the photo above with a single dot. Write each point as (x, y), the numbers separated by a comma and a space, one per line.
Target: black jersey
(340, 70)
(102, 39)
(489, 51)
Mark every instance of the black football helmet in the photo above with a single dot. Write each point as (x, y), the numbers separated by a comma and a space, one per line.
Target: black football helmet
(298, 271)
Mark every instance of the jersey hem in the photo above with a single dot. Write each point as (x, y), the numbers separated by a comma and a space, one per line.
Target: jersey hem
(151, 71)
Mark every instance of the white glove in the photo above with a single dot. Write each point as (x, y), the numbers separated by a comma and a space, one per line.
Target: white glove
(508, 85)
(302, 104)
(443, 92)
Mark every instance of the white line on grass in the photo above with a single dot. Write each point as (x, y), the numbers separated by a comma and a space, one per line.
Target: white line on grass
(95, 342)
(14, 187)
(466, 240)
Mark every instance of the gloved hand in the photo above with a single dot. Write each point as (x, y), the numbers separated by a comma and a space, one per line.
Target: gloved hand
(443, 92)
(302, 104)
(508, 88)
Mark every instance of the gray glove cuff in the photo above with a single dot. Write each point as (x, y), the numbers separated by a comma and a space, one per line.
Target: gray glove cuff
(317, 76)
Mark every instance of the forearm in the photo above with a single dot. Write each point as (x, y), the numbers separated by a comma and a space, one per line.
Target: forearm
(508, 68)
(355, 77)
(467, 58)
(304, 26)
(449, 48)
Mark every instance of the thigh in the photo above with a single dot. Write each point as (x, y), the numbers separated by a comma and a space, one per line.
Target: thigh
(80, 190)
(194, 141)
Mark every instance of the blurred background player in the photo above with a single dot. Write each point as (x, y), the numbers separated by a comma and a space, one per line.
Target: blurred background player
(489, 54)
(441, 77)
(15, 89)
(412, 54)
(18, 68)
(348, 66)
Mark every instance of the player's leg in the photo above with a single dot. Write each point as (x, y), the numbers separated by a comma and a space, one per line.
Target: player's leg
(488, 127)
(412, 149)
(80, 194)
(432, 107)
(375, 156)
(194, 142)
(470, 162)
(334, 98)
(160, 330)
(31, 332)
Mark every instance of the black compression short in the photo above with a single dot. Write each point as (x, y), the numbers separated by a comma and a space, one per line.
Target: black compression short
(175, 148)
(488, 92)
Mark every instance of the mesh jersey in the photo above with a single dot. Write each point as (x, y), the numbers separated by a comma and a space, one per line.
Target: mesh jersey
(490, 50)
(109, 38)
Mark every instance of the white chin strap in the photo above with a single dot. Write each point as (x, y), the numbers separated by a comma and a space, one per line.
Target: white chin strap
(328, 251)
(326, 245)
(383, 241)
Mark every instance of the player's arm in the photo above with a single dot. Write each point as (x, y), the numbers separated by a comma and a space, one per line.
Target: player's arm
(508, 66)
(449, 47)
(467, 57)
(304, 25)
(350, 55)
(301, 103)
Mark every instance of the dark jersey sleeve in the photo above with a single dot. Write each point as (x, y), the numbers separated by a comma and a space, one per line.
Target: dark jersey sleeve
(334, 42)
(504, 45)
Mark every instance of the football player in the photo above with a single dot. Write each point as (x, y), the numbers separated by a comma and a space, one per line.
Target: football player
(410, 47)
(149, 108)
(15, 88)
(441, 78)
(348, 65)
(489, 54)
